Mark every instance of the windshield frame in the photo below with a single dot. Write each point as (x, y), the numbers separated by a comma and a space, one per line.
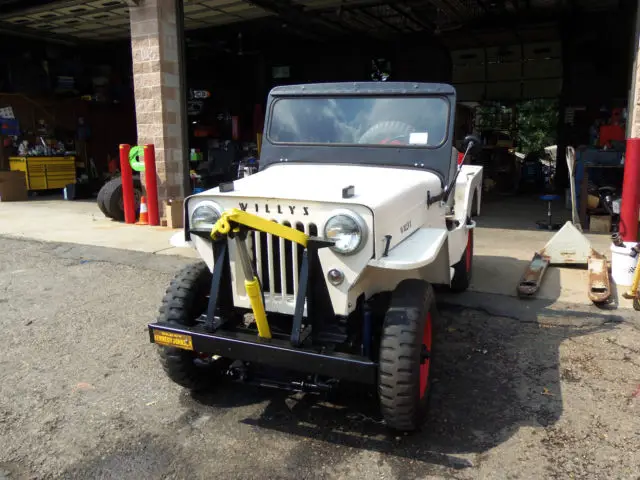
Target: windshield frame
(381, 95)
(441, 160)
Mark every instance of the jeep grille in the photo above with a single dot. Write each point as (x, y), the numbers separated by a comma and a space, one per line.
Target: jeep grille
(277, 261)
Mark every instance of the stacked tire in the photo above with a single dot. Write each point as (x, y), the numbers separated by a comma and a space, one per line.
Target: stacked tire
(110, 200)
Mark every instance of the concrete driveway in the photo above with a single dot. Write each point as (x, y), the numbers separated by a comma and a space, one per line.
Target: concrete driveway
(502, 249)
(522, 392)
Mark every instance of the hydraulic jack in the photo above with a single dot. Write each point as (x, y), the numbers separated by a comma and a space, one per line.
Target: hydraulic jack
(569, 247)
(236, 224)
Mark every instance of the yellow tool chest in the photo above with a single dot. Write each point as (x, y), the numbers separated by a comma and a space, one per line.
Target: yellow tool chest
(44, 173)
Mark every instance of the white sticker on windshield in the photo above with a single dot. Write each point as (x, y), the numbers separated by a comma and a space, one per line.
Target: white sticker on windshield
(418, 138)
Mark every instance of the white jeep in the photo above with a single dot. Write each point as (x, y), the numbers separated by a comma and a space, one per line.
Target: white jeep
(318, 269)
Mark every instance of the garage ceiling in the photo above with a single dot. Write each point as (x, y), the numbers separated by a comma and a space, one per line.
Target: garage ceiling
(106, 20)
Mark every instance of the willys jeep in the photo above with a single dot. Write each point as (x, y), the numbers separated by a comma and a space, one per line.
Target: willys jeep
(318, 269)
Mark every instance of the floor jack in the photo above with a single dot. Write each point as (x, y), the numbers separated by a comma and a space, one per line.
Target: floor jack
(569, 247)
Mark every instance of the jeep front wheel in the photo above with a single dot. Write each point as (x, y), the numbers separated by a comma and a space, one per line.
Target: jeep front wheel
(185, 300)
(405, 355)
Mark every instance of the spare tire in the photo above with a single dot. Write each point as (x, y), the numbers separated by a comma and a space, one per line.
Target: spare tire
(112, 198)
(101, 205)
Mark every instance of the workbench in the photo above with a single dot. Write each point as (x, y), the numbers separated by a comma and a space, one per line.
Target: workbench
(46, 173)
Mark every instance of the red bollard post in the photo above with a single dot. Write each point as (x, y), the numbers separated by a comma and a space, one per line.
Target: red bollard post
(630, 207)
(151, 182)
(126, 174)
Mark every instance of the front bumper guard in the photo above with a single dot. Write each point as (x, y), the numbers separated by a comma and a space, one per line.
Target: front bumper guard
(300, 351)
(273, 352)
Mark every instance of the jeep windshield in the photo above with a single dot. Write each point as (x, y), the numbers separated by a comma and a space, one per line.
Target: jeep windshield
(414, 122)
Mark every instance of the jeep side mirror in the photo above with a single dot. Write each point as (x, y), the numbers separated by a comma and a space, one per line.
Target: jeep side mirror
(472, 145)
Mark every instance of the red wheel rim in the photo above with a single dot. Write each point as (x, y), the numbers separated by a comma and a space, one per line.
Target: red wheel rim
(426, 363)
(468, 251)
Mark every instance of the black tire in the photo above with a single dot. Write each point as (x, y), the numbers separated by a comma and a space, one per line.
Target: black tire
(101, 205)
(112, 198)
(463, 270)
(402, 388)
(185, 300)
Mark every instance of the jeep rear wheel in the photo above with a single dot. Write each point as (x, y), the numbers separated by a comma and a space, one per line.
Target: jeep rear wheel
(406, 349)
(185, 300)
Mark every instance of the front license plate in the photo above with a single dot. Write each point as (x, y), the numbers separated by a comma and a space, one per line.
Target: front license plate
(171, 339)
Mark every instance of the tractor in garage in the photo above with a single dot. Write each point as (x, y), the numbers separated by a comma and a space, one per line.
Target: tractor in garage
(320, 268)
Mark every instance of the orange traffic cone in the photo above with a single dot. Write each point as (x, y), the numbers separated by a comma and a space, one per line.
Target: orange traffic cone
(144, 212)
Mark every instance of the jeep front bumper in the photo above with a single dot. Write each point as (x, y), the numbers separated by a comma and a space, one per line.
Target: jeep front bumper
(275, 352)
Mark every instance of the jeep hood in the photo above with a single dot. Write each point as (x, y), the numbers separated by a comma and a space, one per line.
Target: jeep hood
(375, 187)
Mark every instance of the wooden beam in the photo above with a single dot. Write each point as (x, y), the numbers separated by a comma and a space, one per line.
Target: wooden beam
(379, 20)
(411, 15)
(292, 13)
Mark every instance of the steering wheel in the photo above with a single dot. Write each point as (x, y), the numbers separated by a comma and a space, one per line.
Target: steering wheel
(387, 132)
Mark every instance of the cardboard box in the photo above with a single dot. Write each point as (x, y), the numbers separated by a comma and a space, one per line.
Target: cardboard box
(173, 211)
(13, 187)
(600, 223)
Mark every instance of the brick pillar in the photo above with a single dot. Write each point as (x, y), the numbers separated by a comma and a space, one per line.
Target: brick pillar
(155, 44)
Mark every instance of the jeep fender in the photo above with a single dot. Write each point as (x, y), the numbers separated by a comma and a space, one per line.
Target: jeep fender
(468, 185)
(418, 250)
(423, 255)
(430, 250)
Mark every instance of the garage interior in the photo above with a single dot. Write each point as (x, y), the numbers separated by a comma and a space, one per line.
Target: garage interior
(532, 77)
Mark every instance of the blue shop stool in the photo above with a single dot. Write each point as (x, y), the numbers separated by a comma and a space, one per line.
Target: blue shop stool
(548, 224)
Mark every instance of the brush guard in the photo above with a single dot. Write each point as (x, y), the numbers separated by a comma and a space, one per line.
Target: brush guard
(299, 351)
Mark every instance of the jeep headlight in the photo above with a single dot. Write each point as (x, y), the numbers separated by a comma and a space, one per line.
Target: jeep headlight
(347, 230)
(204, 216)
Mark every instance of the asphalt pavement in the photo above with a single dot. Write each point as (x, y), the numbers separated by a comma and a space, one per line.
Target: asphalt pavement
(521, 391)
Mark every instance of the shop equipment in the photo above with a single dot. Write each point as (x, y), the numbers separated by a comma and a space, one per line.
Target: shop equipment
(633, 292)
(569, 247)
(46, 173)
(548, 224)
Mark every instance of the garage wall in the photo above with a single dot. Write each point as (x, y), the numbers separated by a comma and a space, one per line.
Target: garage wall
(598, 51)
(509, 72)
(418, 60)
(236, 80)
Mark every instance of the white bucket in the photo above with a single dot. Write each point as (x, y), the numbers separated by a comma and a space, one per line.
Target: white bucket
(623, 265)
